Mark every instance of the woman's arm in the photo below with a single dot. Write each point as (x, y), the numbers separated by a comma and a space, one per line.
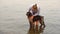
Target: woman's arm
(38, 12)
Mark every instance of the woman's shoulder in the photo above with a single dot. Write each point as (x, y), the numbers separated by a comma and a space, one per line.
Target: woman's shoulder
(38, 6)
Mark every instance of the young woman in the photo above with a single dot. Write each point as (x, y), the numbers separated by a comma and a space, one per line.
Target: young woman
(34, 12)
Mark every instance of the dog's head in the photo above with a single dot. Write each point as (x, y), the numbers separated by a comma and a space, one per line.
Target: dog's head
(28, 14)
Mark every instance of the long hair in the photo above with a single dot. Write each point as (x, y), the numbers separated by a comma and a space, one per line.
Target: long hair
(34, 7)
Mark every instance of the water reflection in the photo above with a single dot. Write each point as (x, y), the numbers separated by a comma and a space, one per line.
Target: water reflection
(33, 30)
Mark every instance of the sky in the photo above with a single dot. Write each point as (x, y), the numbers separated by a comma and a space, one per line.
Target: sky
(43, 3)
(10, 7)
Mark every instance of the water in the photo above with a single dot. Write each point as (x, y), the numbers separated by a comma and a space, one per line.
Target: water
(14, 21)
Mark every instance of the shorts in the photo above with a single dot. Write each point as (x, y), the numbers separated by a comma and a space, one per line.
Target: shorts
(36, 18)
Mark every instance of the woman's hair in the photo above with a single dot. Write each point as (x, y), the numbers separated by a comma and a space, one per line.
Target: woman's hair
(34, 7)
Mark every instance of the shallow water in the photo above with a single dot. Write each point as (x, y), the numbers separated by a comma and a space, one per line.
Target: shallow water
(14, 21)
(15, 26)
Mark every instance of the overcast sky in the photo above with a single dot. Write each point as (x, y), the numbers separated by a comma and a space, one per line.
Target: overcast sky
(11, 6)
(43, 3)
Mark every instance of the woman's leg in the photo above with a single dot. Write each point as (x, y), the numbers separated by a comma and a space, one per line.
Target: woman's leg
(31, 21)
(36, 25)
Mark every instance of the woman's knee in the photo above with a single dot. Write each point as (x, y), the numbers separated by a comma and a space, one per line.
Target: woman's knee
(36, 22)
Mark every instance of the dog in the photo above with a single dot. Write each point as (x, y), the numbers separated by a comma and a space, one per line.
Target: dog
(36, 18)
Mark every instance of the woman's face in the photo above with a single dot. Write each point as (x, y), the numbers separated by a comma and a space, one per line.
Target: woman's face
(34, 7)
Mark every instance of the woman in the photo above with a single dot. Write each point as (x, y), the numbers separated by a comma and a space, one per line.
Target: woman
(34, 10)
(34, 18)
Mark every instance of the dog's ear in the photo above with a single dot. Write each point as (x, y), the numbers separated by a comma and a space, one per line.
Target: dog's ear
(27, 13)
